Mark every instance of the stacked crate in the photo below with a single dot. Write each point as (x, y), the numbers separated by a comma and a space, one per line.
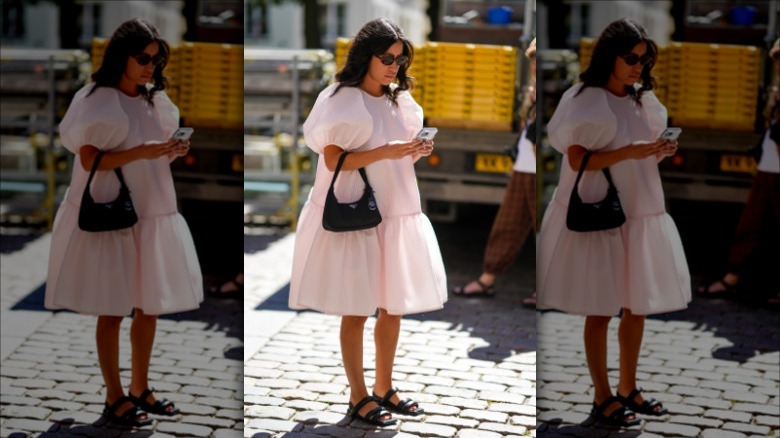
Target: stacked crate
(660, 70)
(470, 85)
(713, 86)
(211, 84)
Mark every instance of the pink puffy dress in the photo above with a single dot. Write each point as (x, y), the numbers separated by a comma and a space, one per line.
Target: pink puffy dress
(397, 265)
(152, 266)
(640, 266)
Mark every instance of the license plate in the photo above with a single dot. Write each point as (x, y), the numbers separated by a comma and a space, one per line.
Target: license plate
(737, 163)
(496, 163)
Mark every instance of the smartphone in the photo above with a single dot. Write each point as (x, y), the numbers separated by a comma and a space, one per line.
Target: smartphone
(426, 134)
(670, 134)
(182, 134)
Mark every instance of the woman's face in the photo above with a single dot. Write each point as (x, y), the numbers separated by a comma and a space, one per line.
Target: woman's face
(629, 74)
(385, 74)
(141, 74)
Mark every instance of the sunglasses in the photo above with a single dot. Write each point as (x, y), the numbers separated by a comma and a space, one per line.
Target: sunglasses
(144, 59)
(632, 58)
(388, 59)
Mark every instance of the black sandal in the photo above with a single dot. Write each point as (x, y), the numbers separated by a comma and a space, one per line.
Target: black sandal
(620, 417)
(403, 407)
(485, 291)
(132, 417)
(159, 407)
(374, 416)
(648, 407)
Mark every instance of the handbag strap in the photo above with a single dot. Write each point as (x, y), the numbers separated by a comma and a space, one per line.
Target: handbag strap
(117, 171)
(582, 169)
(338, 169)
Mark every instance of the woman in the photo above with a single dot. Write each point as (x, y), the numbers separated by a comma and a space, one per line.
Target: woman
(760, 220)
(517, 215)
(150, 268)
(640, 267)
(396, 266)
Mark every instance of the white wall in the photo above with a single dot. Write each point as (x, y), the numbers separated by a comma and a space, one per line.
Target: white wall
(165, 15)
(652, 15)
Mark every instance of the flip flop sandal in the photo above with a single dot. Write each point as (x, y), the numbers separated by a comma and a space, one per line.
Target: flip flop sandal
(529, 302)
(132, 417)
(484, 292)
(703, 290)
(648, 407)
(374, 416)
(159, 407)
(403, 407)
(620, 417)
(216, 291)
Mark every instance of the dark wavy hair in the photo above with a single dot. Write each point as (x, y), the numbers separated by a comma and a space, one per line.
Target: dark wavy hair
(374, 38)
(129, 39)
(618, 39)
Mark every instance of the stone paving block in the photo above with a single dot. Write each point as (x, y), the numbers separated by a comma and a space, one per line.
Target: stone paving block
(683, 408)
(336, 431)
(196, 409)
(451, 392)
(326, 388)
(491, 416)
(475, 433)
(503, 428)
(695, 421)
(21, 400)
(524, 420)
(227, 433)
(744, 396)
(184, 429)
(305, 405)
(755, 409)
(767, 420)
(206, 391)
(464, 403)
(437, 409)
(320, 417)
(452, 421)
(720, 433)
(747, 428)
(426, 429)
(209, 421)
(708, 402)
(672, 429)
(27, 373)
(16, 411)
(21, 424)
(512, 408)
(276, 383)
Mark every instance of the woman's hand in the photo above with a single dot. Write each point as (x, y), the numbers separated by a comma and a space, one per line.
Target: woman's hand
(638, 151)
(398, 149)
(156, 149)
(180, 149)
(425, 149)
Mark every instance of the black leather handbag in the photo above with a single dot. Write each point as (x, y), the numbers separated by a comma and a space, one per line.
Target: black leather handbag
(603, 215)
(115, 215)
(359, 215)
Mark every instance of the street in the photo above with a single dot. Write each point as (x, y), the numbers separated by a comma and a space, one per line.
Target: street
(472, 365)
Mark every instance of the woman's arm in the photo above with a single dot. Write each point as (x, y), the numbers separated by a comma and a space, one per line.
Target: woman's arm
(355, 160)
(601, 160)
(113, 160)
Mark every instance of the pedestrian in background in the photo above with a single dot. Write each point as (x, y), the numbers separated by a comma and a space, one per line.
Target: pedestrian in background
(516, 216)
(151, 268)
(639, 268)
(396, 266)
(760, 220)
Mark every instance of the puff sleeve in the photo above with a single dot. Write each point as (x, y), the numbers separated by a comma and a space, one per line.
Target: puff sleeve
(97, 120)
(341, 119)
(168, 113)
(411, 113)
(656, 113)
(584, 120)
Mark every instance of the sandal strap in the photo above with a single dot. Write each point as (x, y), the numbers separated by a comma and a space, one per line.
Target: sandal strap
(376, 414)
(119, 402)
(366, 400)
(390, 393)
(632, 395)
(147, 392)
(610, 400)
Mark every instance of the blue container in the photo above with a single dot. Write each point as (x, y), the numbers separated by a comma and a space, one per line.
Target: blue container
(743, 15)
(499, 14)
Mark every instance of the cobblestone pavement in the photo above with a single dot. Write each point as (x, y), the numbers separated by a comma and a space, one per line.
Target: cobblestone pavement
(715, 366)
(50, 380)
(472, 366)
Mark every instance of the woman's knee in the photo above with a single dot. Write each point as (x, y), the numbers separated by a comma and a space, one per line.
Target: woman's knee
(353, 321)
